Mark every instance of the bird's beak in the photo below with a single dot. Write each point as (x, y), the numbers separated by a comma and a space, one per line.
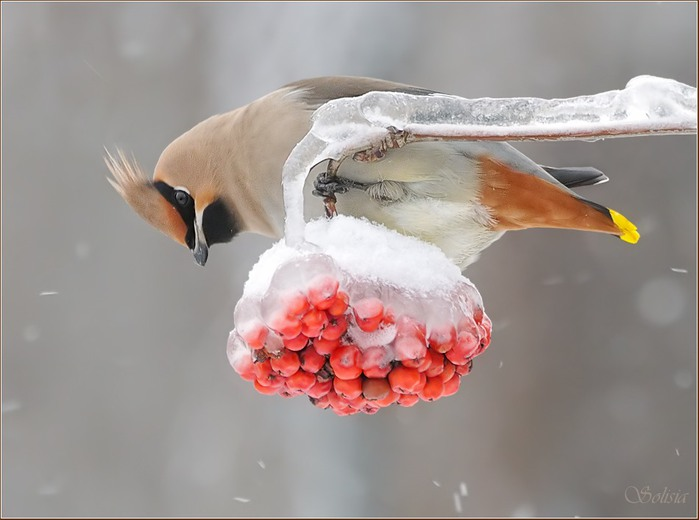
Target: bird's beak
(201, 249)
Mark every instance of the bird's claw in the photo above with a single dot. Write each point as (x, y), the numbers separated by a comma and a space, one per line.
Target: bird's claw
(395, 139)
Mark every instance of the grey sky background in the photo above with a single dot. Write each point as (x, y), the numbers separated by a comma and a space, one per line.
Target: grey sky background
(117, 398)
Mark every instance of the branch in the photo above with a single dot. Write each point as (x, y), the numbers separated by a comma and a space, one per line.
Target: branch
(365, 127)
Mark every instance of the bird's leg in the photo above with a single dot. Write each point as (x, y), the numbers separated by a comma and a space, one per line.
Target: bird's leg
(328, 183)
(395, 139)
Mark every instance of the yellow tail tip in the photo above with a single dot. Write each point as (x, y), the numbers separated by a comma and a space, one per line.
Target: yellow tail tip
(628, 230)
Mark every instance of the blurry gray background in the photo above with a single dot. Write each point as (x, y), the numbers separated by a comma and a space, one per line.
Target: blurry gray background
(117, 398)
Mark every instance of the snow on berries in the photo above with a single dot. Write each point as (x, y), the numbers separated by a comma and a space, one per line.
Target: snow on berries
(360, 319)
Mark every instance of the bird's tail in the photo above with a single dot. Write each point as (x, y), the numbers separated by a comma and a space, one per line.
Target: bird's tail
(516, 200)
(625, 229)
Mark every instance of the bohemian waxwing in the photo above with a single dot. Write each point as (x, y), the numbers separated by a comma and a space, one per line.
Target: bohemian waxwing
(223, 177)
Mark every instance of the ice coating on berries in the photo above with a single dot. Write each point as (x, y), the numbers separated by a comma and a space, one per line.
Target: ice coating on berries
(351, 339)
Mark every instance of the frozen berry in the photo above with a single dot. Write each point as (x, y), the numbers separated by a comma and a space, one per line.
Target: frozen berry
(368, 313)
(311, 361)
(313, 322)
(442, 338)
(410, 350)
(325, 346)
(287, 364)
(295, 344)
(267, 390)
(433, 389)
(408, 399)
(320, 388)
(322, 291)
(405, 380)
(243, 365)
(335, 328)
(346, 362)
(301, 380)
(255, 335)
(296, 304)
(375, 389)
(339, 305)
(466, 346)
(285, 326)
(452, 386)
(348, 388)
(376, 362)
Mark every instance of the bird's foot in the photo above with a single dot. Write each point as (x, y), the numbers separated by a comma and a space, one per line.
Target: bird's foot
(327, 184)
(395, 139)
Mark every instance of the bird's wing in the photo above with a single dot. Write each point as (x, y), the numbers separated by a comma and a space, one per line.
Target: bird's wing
(315, 92)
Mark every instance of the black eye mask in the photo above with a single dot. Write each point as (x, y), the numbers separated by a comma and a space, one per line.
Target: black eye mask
(184, 204)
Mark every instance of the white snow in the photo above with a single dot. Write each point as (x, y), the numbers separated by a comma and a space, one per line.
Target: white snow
(678, 270)
(463, 489)
(648, 105)
(48, 293)
(457, 503)
(241, 499)
(366, 251)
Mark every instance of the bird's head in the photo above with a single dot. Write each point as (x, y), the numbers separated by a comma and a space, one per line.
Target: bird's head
(182, 201)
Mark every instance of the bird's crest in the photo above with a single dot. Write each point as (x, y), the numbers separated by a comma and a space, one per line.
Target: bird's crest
(142, 195)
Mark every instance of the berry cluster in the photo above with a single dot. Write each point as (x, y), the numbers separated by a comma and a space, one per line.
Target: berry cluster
(351, 351)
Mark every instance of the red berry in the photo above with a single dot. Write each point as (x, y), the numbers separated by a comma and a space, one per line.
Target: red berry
(368, 314)
(322, 291)
(321, 402)
(254, 335)
(466, 346)
(452, 386)
(410, 350)
(406, 380)
(285, 326)
(462, 370)
(433, 389)
(313, 323)
(436, 363)
(287, 364)
(325, 346)
(442, 337)
(301, 380)
(295, 344)
(346, 362)
(390, 398)
(311, 361)
(408, 399)
(267, 390)
(339, 305)
(320, 388)
(375, 389)
(335, 328)
(348, 388)
(449, 370)
(407, 326)
(265, 375)
(295, 304)
(244, 366)
(376, 362)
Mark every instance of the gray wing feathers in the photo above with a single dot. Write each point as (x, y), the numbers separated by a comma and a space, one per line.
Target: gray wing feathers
(317, 91)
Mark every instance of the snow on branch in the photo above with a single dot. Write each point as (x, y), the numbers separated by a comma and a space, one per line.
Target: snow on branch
(383, 120)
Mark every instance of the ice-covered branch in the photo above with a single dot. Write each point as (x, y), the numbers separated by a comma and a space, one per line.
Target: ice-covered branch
(342, 127)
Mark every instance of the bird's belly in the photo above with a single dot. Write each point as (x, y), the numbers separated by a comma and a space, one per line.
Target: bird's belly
(457, 228)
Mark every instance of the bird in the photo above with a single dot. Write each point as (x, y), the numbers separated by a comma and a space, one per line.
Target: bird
(223, 177)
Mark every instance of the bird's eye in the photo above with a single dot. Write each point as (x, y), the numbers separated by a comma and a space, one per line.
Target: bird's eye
(182, 197)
